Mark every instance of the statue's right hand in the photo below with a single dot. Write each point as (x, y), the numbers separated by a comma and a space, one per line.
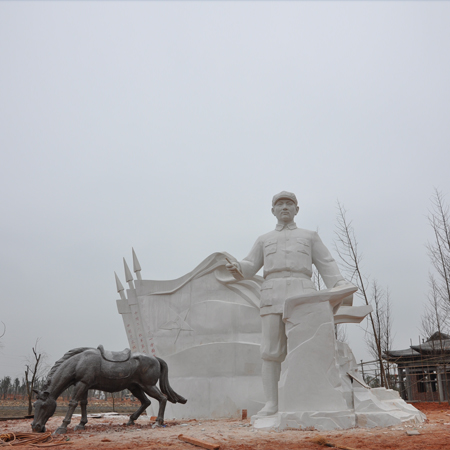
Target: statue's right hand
(233, 267)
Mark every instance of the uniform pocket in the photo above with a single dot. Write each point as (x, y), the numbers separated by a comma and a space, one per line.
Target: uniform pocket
(303, 246)
(270, 246)
(267, 293)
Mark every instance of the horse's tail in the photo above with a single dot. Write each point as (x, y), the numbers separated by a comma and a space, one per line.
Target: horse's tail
(172, 396)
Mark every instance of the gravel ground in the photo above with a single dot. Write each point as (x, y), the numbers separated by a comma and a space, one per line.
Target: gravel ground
(110, 432)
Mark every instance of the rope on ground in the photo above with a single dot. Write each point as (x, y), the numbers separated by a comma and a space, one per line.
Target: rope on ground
(42, 440)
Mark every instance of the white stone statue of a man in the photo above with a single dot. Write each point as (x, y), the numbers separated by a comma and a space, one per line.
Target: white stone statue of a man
(287, 254)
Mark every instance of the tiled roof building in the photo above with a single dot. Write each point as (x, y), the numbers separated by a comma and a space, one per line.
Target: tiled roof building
(424, 370)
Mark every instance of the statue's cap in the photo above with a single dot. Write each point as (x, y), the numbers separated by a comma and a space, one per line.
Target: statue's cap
(286, 195)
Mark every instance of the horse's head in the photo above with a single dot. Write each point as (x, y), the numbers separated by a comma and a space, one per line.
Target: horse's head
(44, 407)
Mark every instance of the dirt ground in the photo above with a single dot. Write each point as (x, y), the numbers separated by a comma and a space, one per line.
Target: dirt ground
(110, 432)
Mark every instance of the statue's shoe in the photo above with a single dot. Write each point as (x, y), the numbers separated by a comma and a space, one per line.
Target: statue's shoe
(269, 409)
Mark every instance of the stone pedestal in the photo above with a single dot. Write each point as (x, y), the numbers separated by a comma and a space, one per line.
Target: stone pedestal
(310, 384)
(310, 390)
(310, 379)
(315, 389)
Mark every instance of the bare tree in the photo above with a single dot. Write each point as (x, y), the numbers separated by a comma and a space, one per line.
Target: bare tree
(23, 387)
(437, 312)
(387, 338)
(382, 318)
(346, 247)
(340, 332)
(439, 249)
(16, 387)
(435, 315)
(376, 300)
(33, 371)
(435, 320)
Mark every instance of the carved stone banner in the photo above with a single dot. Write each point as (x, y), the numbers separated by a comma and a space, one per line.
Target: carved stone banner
(206, 326)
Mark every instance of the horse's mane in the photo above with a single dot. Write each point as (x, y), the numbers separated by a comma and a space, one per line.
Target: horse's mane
(68, 355)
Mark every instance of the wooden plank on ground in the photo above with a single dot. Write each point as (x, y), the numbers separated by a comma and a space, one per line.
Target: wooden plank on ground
(198, 442)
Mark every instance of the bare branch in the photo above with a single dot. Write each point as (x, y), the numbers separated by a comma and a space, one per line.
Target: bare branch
(340, 331)
(33, 371)
(439, 250)
(346, 247)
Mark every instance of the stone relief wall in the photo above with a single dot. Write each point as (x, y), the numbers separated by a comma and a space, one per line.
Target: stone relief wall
(206, 326)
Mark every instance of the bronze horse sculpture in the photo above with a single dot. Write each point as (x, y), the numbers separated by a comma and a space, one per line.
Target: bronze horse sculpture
(95, 368)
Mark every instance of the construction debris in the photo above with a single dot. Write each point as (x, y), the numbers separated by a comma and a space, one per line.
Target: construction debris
(198, 442)
(412, 433)
(320, 440)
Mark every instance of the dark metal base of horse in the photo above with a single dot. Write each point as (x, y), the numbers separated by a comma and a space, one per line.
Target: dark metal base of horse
(95, 368)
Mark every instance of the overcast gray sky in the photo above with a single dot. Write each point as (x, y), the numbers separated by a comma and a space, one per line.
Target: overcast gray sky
(169, 126)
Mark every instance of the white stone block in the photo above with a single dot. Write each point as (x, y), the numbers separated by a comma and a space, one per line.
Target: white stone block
(382, 407)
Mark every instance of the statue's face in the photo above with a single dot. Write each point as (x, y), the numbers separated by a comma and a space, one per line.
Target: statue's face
(285, 210)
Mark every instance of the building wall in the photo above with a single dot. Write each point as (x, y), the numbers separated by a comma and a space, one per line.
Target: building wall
(424, 390)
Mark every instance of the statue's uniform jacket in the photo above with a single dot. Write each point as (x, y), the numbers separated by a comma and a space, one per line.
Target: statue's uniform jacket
(287, 254)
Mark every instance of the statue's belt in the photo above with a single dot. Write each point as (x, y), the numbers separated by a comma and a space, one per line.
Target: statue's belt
(286, 274)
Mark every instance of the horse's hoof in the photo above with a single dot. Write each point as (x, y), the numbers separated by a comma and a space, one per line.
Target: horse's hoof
(130, 422)
(157, 425)
(79, 427)
(60, 430)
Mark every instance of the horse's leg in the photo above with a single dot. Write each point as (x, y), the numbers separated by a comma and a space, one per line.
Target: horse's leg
(145, 403)
(80, 392)
(154, 392)
(83, 421)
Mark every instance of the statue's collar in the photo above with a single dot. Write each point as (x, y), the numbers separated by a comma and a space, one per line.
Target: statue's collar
(291, 226)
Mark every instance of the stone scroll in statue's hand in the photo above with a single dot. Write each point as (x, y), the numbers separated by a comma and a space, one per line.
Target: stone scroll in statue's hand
(233, 268)
(334, 296)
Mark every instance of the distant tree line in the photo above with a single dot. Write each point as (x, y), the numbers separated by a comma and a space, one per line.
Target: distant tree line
(17, 390)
